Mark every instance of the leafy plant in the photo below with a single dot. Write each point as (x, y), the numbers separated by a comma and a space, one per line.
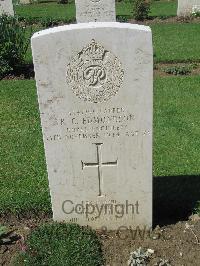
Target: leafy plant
(196, 11)
(4, 66)
(45, 21)
(63, 244)
(140, 257)
(123, 18)
(141, 9)
(178, 70)
(13, 44)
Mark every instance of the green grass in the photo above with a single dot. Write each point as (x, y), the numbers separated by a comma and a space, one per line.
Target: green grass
(172, 42)
(177, 126)
(23, 181)
(46, 10)
(62, 244)
(164, 8)
(52, 9)
(176, 42)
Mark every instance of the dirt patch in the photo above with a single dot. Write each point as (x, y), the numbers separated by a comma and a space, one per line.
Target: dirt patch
(22, 72)
(21, 227)
(160, 69)
(178, 243)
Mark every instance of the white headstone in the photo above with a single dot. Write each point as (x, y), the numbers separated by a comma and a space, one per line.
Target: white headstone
(95, 10)
(187, 7)
(95, 95)
(6, 7)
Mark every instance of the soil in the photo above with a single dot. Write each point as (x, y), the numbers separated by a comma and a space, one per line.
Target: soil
(178, 243)
(159, 69)
(25, 71)
(21, 227)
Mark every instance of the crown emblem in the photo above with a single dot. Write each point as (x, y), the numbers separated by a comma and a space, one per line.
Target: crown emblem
(94, 51)
(95, 74)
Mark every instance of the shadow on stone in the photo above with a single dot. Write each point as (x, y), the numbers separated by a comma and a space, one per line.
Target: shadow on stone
(175, 198)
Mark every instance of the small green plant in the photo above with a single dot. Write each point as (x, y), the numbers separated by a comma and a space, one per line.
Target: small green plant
(48, 22)
(45, 21)
(140, 257)
(141, 9)
(4, 66)
(123, 18)
(194, 65)
(13, 44)
(62, 244)
(178, 70)
(196, 12)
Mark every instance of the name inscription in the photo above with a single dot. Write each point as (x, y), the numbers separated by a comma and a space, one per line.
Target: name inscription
(96, 11)
(113, 122)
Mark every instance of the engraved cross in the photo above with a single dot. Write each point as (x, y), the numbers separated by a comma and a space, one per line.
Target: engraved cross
(99, 165)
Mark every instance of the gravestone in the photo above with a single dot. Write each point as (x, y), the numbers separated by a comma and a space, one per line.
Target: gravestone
(6, 7)
(95, 11)
(187, 7)
(95, 97)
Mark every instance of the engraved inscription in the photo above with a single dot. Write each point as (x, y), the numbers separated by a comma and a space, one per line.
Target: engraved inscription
(99, 165)
(92, 123)
(95, 74)
(95, 12)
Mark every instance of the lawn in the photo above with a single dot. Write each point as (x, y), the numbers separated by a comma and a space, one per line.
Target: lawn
(58, 11)
(23, 182)
(176, 126)
(176, 42)
(46, 10)
(164, 8)
(172, 42)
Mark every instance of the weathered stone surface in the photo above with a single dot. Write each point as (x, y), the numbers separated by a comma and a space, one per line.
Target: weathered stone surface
(95, 11)
(6, 7)
(95, 84)
(187, 7)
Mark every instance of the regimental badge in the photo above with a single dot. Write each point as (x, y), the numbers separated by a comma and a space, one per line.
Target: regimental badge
(95, 74)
